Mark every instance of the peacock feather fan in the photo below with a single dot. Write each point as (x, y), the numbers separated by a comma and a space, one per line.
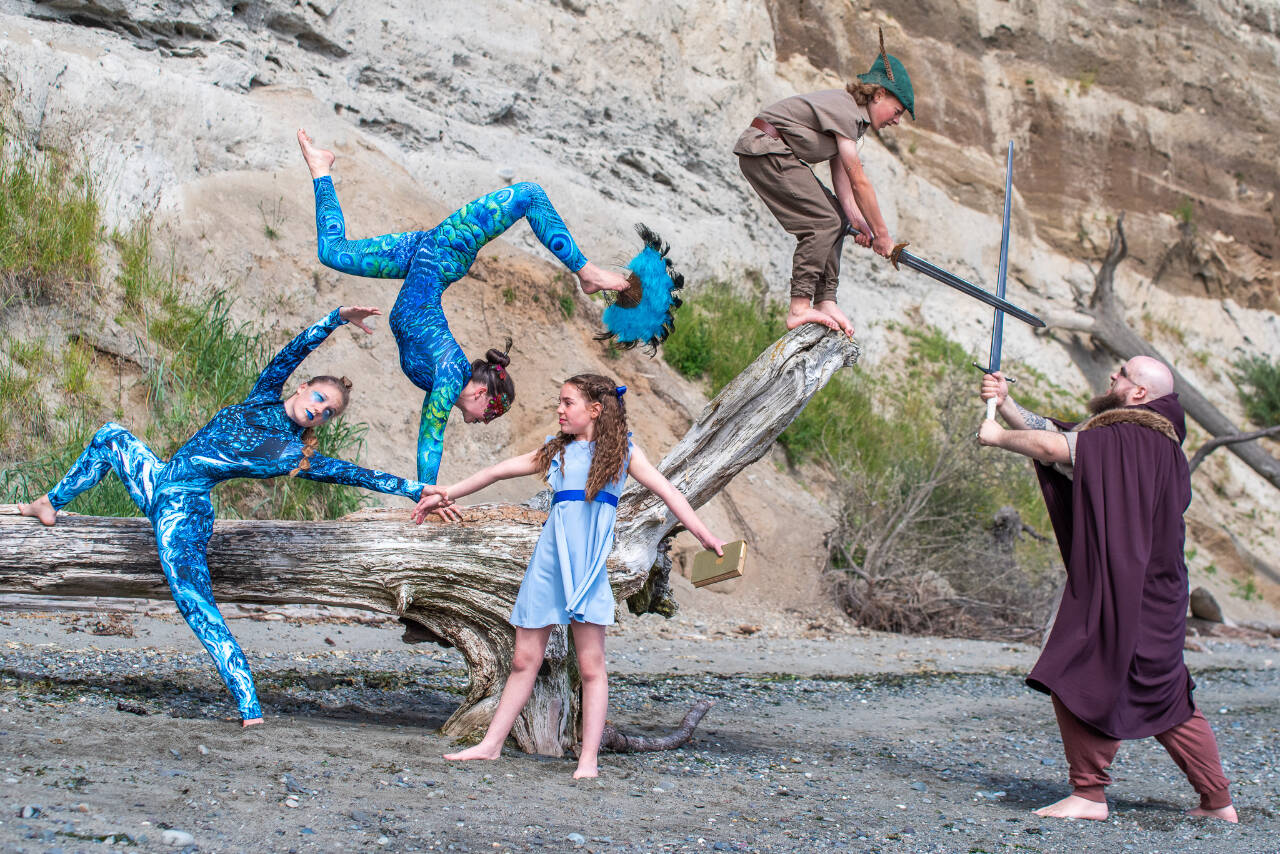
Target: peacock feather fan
(645, 312)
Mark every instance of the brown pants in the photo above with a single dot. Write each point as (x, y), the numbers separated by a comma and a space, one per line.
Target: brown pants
(1191, 744)
(809, 212)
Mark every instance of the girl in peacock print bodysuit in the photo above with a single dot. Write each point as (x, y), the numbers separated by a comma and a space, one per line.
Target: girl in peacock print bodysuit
(430, 261)
(261, 437)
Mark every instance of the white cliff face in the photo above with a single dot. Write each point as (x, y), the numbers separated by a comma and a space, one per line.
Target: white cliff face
(627, 112)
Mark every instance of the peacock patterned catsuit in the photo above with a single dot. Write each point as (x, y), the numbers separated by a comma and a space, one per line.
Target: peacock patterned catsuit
(430, 261)
(255, 439)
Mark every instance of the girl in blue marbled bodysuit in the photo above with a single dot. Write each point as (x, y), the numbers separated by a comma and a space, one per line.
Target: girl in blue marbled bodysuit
(261, 437)
(430, 261)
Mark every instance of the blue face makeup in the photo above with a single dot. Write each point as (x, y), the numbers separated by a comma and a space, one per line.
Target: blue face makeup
(325, 414)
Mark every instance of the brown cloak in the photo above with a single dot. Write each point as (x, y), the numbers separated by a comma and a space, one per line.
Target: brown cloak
(1114, 655)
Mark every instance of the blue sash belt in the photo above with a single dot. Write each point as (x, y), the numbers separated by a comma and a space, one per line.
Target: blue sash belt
(581, 495)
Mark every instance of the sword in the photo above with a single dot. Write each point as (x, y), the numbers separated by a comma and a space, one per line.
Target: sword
(997, 325)
(901, 256)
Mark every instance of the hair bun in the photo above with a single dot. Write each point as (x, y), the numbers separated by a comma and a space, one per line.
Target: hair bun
(499, 357)
(346, 383)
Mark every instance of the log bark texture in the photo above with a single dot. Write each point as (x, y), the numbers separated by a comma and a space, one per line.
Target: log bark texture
(1100, 315)
(456, 581)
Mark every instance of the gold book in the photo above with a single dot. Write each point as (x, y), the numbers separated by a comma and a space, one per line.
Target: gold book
(708, 567)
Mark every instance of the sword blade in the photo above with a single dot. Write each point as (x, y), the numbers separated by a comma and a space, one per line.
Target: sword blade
(936, 273)
(997, 324)
(905, 258)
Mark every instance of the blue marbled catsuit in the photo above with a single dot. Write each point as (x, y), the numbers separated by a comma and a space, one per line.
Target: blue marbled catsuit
(430, 261)
(255, 438)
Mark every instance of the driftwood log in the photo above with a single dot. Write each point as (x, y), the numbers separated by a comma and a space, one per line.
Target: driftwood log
(1101, 316)
(456, 582)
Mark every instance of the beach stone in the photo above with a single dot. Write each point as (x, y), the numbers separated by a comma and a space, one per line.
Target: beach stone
(29, 812)
(577, 839)
(176, 838)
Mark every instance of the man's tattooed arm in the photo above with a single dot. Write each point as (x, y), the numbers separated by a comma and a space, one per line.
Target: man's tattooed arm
(1033, 421)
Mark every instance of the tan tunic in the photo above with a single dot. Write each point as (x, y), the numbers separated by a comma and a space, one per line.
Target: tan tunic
(809, 125)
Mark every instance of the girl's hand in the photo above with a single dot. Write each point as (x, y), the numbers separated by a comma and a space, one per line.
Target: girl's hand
(713, 543)
(434, 499)
(357, 314)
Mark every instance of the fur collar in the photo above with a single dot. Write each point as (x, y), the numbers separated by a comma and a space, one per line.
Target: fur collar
(1132, 415)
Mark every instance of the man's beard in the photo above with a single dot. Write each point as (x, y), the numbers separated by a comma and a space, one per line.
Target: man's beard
(1107, 400)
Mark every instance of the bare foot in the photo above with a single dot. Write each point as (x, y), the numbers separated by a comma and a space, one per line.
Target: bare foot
(248, 722)
(318, 160)
(809, 315)
(831, 310)
(1227, 813)
(592, 278)
(1074, 806)
(480, 751)
(42, 509)
(586, 771)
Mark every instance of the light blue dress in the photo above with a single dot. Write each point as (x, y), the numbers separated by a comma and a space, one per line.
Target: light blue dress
(566, 579)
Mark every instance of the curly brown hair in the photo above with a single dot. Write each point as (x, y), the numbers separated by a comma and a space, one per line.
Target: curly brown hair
(864, 93)
(610, 454)
(310, 441)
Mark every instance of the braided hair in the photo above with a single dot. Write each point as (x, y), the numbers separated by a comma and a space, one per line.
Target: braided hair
(310, 441)
(610, 434)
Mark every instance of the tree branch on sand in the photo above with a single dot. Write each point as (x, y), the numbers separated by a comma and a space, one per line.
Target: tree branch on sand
(455, 582)
(1103, 320)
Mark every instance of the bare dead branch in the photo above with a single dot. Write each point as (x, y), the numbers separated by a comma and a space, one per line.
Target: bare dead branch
(1218, 441)
(619, 743)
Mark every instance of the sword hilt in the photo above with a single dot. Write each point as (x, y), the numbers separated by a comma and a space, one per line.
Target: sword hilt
(1009, 380)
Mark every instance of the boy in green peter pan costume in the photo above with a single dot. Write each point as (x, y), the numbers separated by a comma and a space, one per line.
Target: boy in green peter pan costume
(776, 153)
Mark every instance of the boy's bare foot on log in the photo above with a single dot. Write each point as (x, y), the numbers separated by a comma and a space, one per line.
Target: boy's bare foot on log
(42, 509)
(1227, 813)
(831, 310)
(801, 312)
(318, 160)
(480, 751)
(1074, 806)
(592, 278)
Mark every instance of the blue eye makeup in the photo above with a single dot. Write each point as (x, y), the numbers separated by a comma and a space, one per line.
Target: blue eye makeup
(317, 397)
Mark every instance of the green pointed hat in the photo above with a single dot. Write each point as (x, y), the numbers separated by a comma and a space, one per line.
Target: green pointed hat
(888, 71)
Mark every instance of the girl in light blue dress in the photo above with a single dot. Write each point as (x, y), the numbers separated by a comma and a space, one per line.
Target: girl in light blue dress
(586, 464)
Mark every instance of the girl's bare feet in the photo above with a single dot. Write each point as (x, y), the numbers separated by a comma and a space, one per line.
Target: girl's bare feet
(831, 310)
(42, 509)
(586, 771)
(245, 724)
(1227, 813)
(592, 278)
(318, 160)
(480, 751)
(1074, 806)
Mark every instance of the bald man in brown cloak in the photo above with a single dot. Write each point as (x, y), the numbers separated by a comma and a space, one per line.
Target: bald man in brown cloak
(1116, 486)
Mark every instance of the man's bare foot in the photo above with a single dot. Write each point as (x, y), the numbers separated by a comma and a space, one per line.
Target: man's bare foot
(318, 160)
(831, 310)
(1074, 806)
(248, 722)
(586, 771)
(480, 751)
(592, 278)
(1227, 813)
(42, 509)
(809, 315)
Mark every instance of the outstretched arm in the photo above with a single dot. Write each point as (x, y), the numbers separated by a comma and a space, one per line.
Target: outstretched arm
(508, 468)
(330, 470)
(271, 381)
(1042, 445)
(644, 472)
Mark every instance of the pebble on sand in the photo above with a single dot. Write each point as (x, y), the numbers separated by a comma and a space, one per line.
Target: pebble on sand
(176, 838)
